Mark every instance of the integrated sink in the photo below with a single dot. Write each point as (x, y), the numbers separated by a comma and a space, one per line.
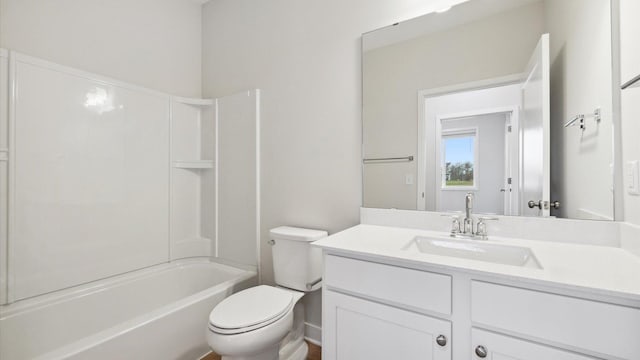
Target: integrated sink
(475, 250)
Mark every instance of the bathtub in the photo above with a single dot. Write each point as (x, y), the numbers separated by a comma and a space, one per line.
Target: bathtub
(155, 313)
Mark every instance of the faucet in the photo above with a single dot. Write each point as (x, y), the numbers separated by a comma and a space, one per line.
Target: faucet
(467, 225)
(466, 229)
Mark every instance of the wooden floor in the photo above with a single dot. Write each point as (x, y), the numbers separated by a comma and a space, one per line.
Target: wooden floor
(315, 353)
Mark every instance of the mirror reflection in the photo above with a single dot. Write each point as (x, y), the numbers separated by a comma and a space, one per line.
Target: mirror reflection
(511, 100)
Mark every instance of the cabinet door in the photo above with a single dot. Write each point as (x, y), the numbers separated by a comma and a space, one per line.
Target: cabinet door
(359, 329)
(500, 347)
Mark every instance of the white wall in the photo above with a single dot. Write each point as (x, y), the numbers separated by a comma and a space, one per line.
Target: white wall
(305, 58)
(630, 53)
(581, 175)
(153, 43)
(394, 74)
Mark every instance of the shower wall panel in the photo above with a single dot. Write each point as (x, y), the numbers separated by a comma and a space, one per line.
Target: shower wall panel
(89, 177)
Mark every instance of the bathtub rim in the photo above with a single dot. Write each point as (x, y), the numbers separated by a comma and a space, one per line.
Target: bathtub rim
(52, 298)
(103, 336)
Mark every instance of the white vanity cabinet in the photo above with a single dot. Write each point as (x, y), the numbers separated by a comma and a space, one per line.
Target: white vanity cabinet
(370, 313)
(374, 310)
(363, 329)
(489, 345)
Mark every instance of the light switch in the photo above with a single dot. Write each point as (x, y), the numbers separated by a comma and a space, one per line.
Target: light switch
(633, 177)
(408, 179)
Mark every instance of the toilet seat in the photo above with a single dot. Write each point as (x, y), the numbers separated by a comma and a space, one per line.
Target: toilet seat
(250, 309)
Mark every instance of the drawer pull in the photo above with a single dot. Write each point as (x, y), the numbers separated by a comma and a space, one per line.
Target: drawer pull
(441, 340)
(481, 351)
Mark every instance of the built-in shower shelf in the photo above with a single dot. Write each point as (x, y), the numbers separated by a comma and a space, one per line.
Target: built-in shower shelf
(193, 102)
(193, 164)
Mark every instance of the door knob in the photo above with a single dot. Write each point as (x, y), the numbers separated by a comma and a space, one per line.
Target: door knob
(441, 340)
(481, 352)
(532, 204)
(544, 204)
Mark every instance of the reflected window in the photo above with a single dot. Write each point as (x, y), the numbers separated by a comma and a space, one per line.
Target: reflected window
(459, 163)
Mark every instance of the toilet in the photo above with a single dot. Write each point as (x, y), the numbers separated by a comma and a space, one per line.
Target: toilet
(267, 322)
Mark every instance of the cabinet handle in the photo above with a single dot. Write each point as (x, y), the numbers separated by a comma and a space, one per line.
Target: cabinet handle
(441, 340)
(481, 351)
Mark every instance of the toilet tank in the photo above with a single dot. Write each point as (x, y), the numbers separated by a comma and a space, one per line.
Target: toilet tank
(295, 262)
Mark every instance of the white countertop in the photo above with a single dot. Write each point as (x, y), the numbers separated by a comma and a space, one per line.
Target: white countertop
(609, 271)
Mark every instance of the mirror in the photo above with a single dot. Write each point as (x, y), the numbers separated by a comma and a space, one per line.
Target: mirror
(511, 100)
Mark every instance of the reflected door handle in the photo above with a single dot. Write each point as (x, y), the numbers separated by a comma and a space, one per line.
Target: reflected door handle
(532, 204)
(544, 204)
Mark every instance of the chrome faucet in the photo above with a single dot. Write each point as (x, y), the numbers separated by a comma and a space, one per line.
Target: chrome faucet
(467, 225)
(466, 229)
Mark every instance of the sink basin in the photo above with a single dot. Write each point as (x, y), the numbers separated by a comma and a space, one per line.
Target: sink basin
(475, 250)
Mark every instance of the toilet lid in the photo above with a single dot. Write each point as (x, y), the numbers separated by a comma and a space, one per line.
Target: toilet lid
(251, 307)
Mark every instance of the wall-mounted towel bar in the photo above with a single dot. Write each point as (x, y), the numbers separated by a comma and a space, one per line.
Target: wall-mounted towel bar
(580, 119)
(389, 159)
(635, 82)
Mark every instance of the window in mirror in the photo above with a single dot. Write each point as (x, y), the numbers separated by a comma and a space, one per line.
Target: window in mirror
(459, 158)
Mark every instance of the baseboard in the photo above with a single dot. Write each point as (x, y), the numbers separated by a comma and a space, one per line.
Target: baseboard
(313, 333)
(208, 355)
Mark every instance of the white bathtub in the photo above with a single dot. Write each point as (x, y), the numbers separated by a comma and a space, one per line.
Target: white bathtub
(155, 313)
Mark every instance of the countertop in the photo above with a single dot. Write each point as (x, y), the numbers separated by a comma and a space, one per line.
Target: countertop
(609, 271)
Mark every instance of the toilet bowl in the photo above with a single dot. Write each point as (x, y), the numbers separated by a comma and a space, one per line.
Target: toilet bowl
(251, 324)
(267, 322)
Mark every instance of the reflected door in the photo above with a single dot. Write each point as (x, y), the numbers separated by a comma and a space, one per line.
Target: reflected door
(534, 144)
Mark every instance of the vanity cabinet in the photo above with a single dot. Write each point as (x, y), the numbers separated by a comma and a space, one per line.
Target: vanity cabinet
(583, 324)
(373, 310)
(489, 345)
(362, 329)
(373, 315)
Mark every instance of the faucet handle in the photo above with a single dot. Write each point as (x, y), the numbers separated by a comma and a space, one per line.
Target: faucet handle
(455, 222)
(455, 225)
(481, 227)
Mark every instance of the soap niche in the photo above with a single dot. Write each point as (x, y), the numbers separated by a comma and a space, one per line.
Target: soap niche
(192, 177)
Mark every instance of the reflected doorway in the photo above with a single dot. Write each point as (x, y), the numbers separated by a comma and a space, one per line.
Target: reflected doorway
(469, 141)
(474, 157)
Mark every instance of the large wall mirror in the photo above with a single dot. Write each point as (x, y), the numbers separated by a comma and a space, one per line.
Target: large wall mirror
(511, 100)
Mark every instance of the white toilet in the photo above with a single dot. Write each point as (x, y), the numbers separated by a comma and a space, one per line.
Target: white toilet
(267, 322)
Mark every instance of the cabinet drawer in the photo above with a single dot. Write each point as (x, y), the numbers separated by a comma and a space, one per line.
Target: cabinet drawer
(590, 325)
(506, 347)
(396, 285)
